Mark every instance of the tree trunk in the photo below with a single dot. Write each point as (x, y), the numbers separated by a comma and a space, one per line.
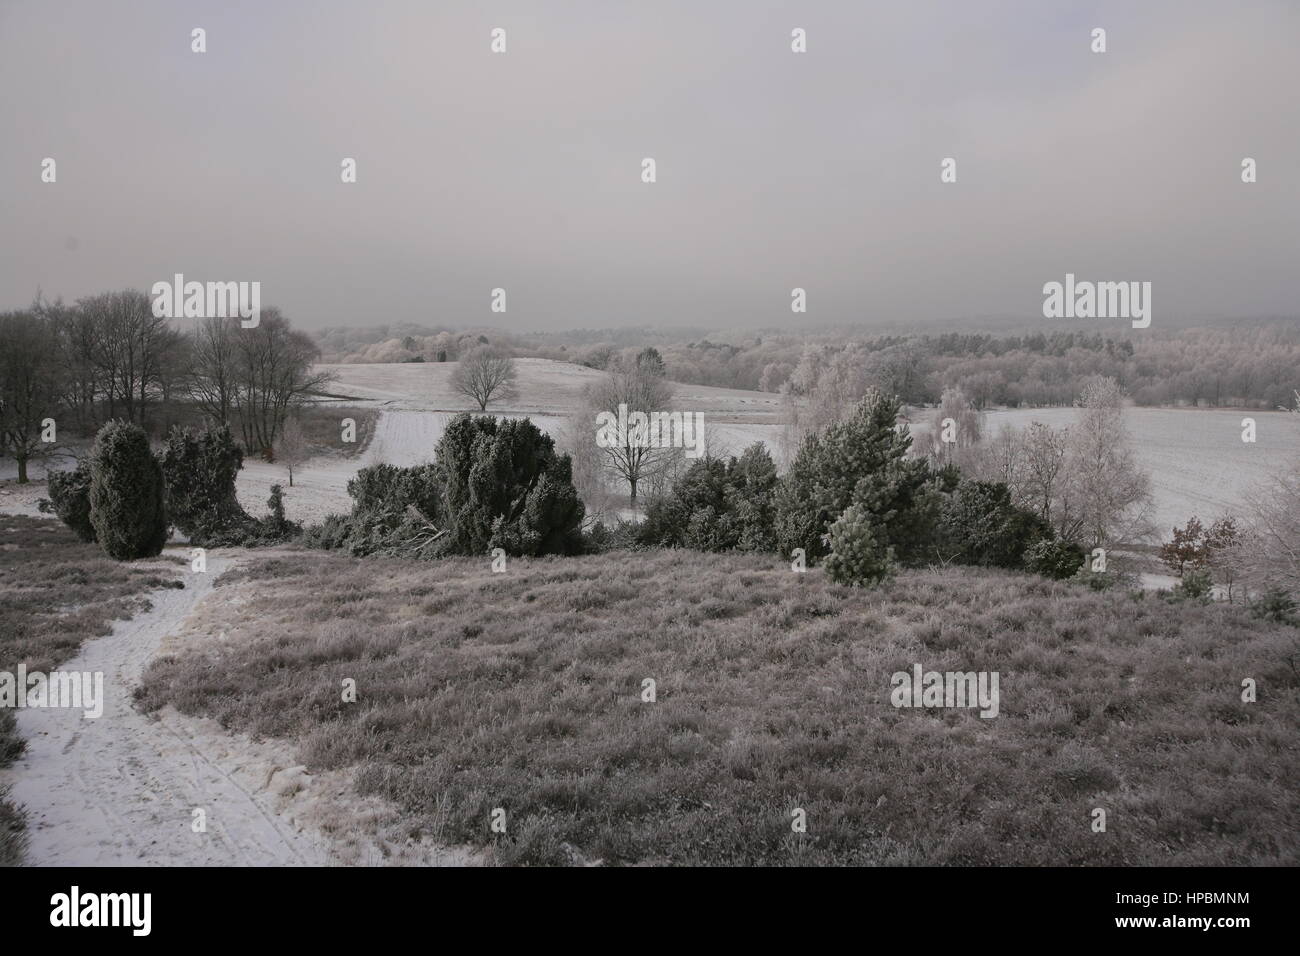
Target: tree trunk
(22, 469)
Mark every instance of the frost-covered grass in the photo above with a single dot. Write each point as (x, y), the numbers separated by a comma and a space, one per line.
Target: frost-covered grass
(523, 691)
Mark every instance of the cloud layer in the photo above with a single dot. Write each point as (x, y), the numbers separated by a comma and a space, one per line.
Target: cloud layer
(775, 170)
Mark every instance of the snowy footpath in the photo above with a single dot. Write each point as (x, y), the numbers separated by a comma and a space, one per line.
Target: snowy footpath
(124, 788)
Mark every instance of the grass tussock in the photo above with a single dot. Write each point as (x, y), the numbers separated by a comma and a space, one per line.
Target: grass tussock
(13, 832)
(55, 593)
(523, 691)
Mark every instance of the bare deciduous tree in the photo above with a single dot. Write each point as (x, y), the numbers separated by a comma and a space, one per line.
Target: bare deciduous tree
(128, 347)
(1002, 458)
(1269, 555)
(1082, 479)
(272, 373)
(631, 458)
(29, 386)
(1108, 494)
(291, 449)
(485, 374)
(955, 429)
(1044, 455)
(212, 367)
(577, 440)
(79, 373)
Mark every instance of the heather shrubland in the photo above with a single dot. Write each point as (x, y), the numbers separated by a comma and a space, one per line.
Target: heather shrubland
(525, 690)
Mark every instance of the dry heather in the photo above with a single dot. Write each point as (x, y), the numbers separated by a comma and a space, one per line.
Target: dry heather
(522, 691)
(55, 592)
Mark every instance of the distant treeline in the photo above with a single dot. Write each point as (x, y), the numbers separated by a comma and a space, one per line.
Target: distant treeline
(1256, 367)
(1252, 365)
(66, 370)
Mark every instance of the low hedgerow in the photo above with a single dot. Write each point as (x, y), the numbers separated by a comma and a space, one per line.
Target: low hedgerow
(395, 512)
(979, 525)
(1195, 585)
(1278, 606)
(618, 536)
(1116, 575)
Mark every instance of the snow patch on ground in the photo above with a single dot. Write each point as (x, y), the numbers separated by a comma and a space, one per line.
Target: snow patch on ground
(16, 499)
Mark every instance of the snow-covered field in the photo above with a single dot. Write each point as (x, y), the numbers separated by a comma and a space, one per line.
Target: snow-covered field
(416, 401)
(403, 436)
(1198, 463)
(543, 386)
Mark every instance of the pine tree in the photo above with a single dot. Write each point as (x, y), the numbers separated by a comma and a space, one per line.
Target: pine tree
(862, 459)
(980, 525)
(859, 555)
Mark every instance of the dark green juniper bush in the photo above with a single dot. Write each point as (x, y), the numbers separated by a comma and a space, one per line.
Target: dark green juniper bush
(494, 483)
(200, 468)
(126, 493)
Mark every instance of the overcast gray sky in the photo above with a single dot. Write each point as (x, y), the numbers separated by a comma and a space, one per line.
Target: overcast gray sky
(775, 170)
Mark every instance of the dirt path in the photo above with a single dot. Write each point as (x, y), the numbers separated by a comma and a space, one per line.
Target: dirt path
(122, 789)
